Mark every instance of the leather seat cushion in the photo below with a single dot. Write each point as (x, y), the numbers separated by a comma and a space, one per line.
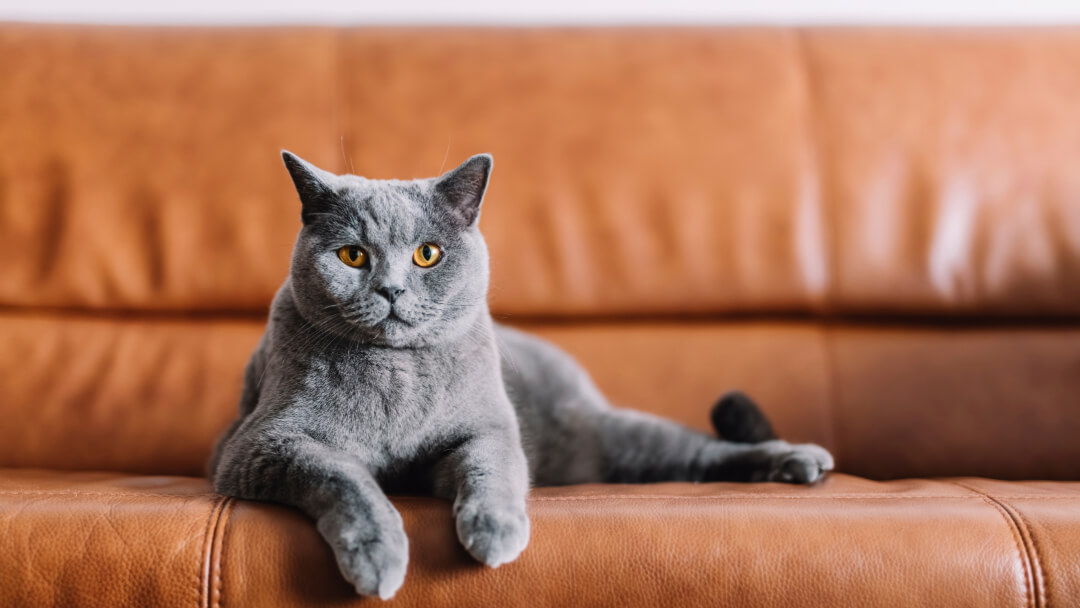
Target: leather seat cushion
(111, 539)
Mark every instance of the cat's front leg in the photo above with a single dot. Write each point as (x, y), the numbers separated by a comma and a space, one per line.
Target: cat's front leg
(351, 512)
(488, 480)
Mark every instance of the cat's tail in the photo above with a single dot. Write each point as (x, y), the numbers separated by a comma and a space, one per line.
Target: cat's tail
(738, 419)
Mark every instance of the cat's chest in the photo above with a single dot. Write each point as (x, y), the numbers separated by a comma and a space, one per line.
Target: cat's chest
(387, 400)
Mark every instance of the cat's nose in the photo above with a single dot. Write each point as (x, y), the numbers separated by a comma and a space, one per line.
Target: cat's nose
(391, 292)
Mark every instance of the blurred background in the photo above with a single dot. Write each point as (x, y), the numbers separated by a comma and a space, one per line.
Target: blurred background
(553, 12)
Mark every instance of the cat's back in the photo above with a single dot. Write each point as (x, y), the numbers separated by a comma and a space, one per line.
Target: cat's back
(539, 376)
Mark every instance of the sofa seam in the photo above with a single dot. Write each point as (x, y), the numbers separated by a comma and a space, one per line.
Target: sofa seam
(732, 496)
(202, 560)
(113, 494)
(203, 590)
(1038, 575)
(1024, 552)
(1021, 551)
(763, 496)
(218, 553)
(1042, 580)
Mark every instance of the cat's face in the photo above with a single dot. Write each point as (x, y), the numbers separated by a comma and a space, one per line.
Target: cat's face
(398, 263)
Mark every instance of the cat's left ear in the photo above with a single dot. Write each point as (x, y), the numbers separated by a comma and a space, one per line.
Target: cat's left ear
(461, 191)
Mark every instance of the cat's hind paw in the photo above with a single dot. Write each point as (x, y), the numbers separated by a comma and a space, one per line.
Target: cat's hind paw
(803, 463)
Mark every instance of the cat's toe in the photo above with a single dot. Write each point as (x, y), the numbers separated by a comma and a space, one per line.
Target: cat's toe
(493, 536)
(377, 569)
(805, 463)
(374, 564)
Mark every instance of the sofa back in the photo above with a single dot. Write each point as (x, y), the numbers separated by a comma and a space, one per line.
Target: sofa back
(876, 232)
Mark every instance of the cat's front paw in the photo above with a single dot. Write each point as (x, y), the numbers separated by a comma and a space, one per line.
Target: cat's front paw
(493, 535)
(803, 463)
(372, 557)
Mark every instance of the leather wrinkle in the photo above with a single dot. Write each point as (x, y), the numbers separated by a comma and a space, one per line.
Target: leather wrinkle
(1028, 558)
(338, 97)
(832, 385)
(817, 161)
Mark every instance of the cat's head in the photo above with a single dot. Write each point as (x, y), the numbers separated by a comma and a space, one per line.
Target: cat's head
(398, 263)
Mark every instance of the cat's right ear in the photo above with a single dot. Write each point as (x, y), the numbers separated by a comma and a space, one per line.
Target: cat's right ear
(312, 184)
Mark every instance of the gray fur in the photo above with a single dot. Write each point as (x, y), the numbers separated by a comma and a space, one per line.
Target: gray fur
(342, 401)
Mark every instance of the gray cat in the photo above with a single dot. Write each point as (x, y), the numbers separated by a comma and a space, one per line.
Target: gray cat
(381, 369)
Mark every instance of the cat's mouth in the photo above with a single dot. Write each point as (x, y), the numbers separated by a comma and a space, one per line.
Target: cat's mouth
(392, 318)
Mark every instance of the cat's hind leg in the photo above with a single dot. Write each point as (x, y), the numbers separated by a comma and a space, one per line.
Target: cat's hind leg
(736, 417)
(637, 447)
(572, 435)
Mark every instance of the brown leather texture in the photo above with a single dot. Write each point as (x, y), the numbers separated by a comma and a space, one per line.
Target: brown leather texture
(152, 395)
(638, 171)
(874, 232)
(81, 539)
(139, 167)
(950, 162)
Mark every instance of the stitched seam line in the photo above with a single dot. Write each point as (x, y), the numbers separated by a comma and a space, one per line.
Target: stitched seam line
(1040, 577)
(734, 496)
(777, 496)
(199, 577)
(217, 597)
(1024, 552)
(1021, 551)
(94, 493)
(208, 536)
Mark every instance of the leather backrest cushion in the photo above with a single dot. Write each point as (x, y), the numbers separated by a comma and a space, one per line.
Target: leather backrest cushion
(638, 171)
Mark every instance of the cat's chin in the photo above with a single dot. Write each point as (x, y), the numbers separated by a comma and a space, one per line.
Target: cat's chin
(395, 332)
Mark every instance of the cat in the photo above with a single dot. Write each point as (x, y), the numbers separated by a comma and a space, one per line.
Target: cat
(381, 370)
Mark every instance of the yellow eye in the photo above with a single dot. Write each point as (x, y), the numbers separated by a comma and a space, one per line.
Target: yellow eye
(352, 256)
(426, 255)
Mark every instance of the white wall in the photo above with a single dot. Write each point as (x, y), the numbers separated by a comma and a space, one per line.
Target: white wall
(541, 12)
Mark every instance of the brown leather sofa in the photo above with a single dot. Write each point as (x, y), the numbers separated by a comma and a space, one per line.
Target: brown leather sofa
(876, 232)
